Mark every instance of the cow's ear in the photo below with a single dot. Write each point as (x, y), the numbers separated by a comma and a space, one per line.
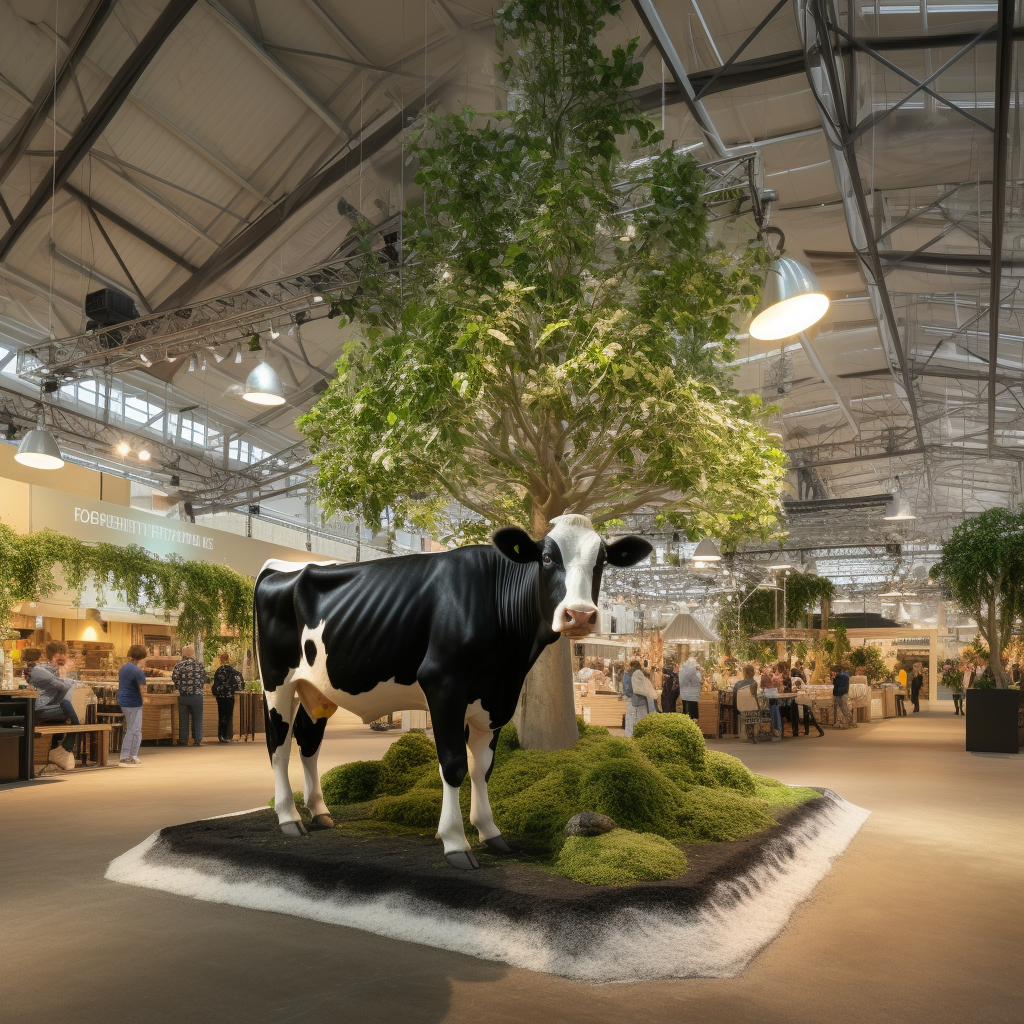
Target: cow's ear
(627, 551)
(516, 545)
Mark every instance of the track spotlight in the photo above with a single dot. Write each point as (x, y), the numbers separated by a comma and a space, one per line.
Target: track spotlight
(191, 364)
(318, 297)
(145, 359)
(145, 455)
(238, 353)
(274, 333)
(123, 449)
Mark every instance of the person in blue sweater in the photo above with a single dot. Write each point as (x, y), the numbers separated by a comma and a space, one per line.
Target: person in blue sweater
(130, 680)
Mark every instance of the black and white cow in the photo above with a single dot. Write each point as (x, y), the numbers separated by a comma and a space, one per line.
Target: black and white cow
(453, 633)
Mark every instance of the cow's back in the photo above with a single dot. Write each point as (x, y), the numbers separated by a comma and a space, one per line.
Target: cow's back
(380, 620)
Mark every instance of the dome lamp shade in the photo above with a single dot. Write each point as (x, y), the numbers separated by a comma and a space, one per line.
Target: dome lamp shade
(263, 386)
(791, 302)
(39, 450)
(707, 551)
(898, 509)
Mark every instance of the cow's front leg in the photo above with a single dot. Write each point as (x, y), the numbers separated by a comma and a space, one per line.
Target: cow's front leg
(481, 743)
(449, 722)
(279, 711)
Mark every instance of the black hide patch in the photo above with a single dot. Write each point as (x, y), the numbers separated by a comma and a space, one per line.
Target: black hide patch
(310, 648)
(308, 734)
(276, 726)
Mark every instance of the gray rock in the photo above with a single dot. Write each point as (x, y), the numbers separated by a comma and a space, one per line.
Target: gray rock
(588, 823)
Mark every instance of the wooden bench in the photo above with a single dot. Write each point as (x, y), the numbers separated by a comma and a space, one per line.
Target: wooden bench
(95, 735)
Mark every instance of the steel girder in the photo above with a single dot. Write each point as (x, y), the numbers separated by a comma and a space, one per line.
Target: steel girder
(81, 37)
(97, 119)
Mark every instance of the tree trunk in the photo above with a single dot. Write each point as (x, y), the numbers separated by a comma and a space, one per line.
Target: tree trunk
(546, 714)
(995, 647)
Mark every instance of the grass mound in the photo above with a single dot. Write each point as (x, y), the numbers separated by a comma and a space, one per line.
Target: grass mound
(721, 769)
(662, 787)
(681, 730)
(619, 858)
(350, 783)
(404, 762)
(419, 808)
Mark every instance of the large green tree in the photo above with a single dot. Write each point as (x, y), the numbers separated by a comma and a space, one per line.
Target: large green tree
(982, 564)
(552, 336)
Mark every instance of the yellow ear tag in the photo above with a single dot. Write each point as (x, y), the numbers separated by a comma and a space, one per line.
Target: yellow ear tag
(316, 704)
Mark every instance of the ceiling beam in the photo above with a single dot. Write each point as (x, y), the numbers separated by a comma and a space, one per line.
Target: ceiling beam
(1003, 88)
(663, 41)
(96, 121)
(20, 137)
(299, 88)
(126, 225)
(235, 250)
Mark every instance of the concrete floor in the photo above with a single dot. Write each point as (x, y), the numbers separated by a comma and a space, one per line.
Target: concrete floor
(921, 920)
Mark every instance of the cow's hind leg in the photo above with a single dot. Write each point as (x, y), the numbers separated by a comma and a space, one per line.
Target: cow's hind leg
(481, 741)
(309, 734)
(279, 711)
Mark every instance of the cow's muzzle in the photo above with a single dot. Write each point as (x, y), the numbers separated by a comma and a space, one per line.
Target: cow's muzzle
(579, 621)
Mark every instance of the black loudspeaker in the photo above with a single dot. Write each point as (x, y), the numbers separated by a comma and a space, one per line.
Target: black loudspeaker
(108, 307)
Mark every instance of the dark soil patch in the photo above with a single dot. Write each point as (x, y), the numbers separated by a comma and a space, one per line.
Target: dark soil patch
(360, 859)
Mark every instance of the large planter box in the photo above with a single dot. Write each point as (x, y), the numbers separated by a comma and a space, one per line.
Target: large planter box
(995, 721)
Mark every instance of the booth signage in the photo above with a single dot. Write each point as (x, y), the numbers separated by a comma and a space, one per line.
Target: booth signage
(140, 529)
(93, 521)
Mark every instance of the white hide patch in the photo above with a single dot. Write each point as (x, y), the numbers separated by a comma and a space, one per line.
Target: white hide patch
(386, 697)
(580, 545)
(718, 940)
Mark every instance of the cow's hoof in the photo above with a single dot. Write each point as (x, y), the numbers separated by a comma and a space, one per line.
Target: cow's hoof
(462, 859)
(293, 828)
(496, 844)
(321, 821)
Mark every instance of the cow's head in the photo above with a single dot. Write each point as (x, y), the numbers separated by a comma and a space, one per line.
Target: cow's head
(571, 558)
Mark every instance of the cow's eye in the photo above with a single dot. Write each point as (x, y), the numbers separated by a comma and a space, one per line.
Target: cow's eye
(547, 559)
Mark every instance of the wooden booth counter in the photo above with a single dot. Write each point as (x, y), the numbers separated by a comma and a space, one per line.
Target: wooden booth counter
(605, 708)
(160, 715)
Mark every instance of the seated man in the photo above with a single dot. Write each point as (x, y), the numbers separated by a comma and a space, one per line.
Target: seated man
(53, 703)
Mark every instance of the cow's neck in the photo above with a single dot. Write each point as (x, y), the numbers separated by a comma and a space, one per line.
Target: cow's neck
(518, 607)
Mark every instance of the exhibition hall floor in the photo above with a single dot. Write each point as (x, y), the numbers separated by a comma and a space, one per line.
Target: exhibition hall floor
(919, 921)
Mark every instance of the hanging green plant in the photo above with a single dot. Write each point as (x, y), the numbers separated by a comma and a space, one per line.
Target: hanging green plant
(206, 596)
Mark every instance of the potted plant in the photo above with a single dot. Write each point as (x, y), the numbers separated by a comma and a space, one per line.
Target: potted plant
(982, 565)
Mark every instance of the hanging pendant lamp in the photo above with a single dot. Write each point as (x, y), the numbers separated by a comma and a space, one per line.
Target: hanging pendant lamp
(791, 302)
(263, 386)
(39, 449)
(707, 551)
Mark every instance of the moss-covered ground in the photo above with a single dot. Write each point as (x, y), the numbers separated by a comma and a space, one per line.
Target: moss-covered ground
(663, 788)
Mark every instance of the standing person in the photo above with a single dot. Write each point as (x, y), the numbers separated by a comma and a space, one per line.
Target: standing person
(644, 698)
(227, 681)
(54, 702)
(189, 678)
(841, 694)
(130, 680)
(689, 688)
(669, 690)
(916, 682)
